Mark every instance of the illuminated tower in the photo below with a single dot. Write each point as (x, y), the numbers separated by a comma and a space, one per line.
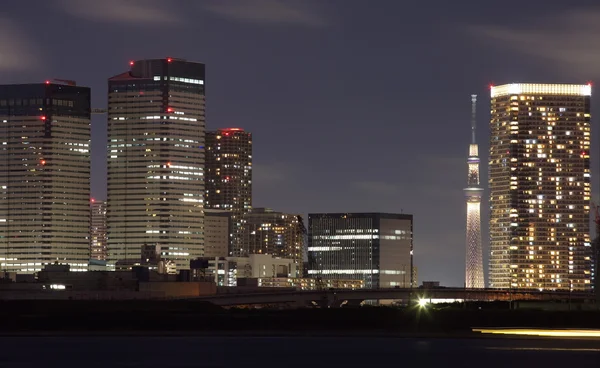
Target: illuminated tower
(156, 160)
(229, 177)
(45, 176)
(474, 257)
(539, 180)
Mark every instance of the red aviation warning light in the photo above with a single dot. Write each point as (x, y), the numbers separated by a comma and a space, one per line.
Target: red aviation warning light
(169, 60)
(47, 82)
(131, 63)
(92, 200)
(169, 109)
(42, 117)
(43, 162)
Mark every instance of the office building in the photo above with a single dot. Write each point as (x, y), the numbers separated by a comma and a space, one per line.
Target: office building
(474, 253)
(156, 113)
(539, 180)
(265, 231)
(98, 250)
(229, 176)
(374, 247)
(217, 233)
(44, 176)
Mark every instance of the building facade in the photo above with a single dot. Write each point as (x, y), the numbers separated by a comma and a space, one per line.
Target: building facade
(225, 271)
(474, 252)
(217, 233)
(45, 176)
(156, 118)
(539, 180)
(265, 231)
(98, 249)
(229, 177)
(374, 247)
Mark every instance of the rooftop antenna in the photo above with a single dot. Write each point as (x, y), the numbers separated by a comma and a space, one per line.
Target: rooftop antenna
(473, 118)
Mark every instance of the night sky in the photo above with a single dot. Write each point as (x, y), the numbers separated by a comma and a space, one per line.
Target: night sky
(354, 105)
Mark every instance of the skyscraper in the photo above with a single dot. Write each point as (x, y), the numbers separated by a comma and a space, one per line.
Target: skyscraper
(374, 247)
(229, 176)
(539, 179)
(156, 160)
(474, 255)
(265, 231)
(98, 248)
(45, 176)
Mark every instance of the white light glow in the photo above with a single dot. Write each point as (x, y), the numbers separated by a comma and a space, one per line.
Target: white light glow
(541, 89)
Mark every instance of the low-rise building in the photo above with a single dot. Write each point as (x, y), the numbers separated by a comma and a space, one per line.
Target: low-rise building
(225, 271)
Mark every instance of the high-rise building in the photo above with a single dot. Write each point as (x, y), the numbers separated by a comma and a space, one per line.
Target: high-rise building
(229, 177)
(45, 176)
(98, 250)
(374, 247)
(217, 233)
(265, 231)
(474, 253)
(156, 113)
(539, 180)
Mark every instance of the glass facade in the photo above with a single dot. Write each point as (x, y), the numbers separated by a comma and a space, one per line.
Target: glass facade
(156, 119)
(44, 176)
(373, 247)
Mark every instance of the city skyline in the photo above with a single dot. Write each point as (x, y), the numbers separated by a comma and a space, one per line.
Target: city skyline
(288, 74)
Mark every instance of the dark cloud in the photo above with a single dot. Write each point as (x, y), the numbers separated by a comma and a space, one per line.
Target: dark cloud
(568, 40)
(291, 12)
(123, 11)
(17, 52)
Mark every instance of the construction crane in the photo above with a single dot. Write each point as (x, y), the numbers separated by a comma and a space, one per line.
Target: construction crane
(596, 254)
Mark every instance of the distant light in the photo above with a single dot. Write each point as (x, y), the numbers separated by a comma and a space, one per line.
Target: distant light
(422, 303)
(233, 129)
(47, 82)
(540, 332)
(169, 60)
(227, 178)
(43, 162)
(169, 164)
(92, 200)
(43, 117)
(131, 63)
(170, 109)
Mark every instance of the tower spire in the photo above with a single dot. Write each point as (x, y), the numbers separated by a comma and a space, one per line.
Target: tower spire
(473, 118)
(474, 258)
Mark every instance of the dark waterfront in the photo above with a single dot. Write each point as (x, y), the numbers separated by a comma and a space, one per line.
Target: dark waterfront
(192, 351)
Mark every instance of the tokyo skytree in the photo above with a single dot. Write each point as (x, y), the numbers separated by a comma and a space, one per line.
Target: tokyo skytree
(474, 255)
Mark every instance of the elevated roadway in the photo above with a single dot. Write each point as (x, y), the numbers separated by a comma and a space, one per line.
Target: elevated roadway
(339, 297)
